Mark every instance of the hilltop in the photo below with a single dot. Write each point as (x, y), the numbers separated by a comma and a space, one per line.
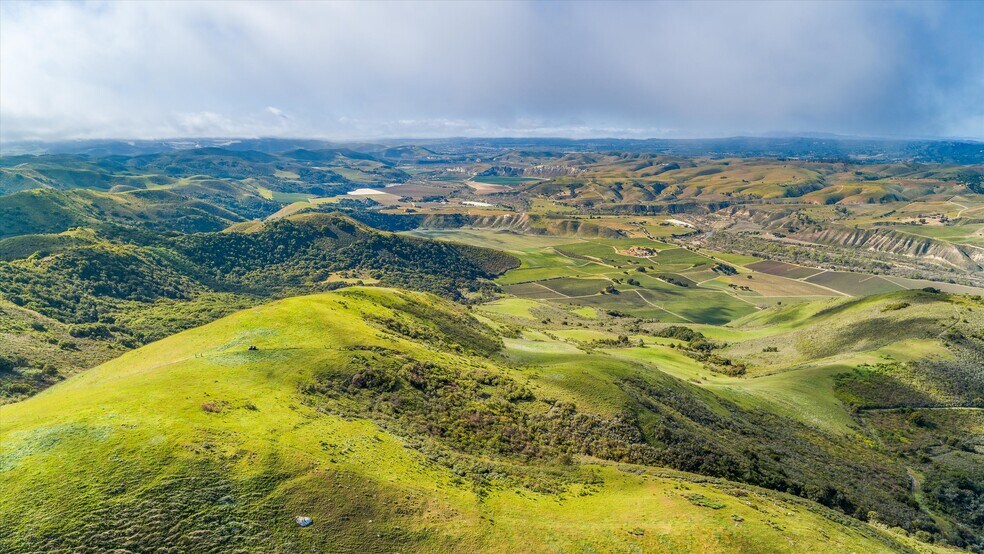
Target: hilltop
(80, 297)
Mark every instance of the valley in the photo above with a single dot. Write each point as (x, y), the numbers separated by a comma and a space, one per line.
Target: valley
(498, 277)
(497, 346)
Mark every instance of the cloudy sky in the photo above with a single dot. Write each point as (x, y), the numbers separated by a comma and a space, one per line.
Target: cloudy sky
(370, 70)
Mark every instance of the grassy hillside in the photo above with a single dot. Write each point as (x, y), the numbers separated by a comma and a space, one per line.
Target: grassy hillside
(196, 206)
(119, 288)
(379, 415)
(293, 171)
(826, 364)
(636, 179)
(203, 189)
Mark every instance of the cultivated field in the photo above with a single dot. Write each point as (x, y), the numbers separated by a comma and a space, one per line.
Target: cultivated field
(647, 278)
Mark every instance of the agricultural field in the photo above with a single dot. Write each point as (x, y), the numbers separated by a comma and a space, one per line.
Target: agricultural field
(854, 284)
(646, 278)
(963, 234)
(544, 206)
(781, 269)
(501, 180)
(284, 197)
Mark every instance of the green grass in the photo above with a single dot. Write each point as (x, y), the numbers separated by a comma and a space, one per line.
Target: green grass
(515, 307)
(855, 284)
(953, 233)
(526, 275)
(626, 303)
(583, 335)
(589, 313)
(542, 205)
(502, 240)
(531, 290)
(802, 394)
(714, 309)
(127, 456)
(737, 259)
(576, 287)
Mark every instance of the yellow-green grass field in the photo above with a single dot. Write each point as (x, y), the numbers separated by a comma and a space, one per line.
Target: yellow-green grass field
(197, 443)
(813, 342)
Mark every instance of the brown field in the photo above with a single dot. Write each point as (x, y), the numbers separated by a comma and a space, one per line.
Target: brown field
(419, 190)
(773, 285)
(486, 188)
(532, 290)
(782, 269)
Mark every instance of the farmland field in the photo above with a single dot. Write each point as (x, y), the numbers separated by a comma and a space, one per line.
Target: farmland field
(963, 234)
(783, 269)
(500, 239)
(651, 279)
(534, 289)
(285, 197)
(575, 286)
(498, 180)
(854, 284)
(765, 284)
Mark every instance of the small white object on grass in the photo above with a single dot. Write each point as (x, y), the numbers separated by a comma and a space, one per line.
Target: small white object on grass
(303, 521)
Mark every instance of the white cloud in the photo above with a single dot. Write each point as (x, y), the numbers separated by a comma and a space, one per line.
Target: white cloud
(277, 112)
(352, 70)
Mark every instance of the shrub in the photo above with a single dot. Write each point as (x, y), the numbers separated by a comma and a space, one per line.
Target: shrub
(678, 332)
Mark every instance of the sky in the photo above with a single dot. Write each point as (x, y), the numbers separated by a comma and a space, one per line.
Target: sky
(146, 70)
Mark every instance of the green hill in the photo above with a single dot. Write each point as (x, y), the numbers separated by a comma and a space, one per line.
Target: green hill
(385, 417)
(119, 287)
(665, 353)
(636, 180)
(196, 206)
(297, 170)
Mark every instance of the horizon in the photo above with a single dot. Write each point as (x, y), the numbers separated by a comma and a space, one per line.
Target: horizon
(410, 139)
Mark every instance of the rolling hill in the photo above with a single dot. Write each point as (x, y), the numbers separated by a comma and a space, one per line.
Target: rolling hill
(114, 287)
(388, 419)
(292, 170)
(520, 345)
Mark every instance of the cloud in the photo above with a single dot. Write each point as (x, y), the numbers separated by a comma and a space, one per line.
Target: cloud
(277, 112)
(364, 70)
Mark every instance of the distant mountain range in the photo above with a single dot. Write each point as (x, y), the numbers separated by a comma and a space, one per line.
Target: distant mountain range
(808, 146)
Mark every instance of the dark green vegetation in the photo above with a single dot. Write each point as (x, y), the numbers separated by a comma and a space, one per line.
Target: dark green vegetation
(190, 207)
(87, 295)
(946, 451)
